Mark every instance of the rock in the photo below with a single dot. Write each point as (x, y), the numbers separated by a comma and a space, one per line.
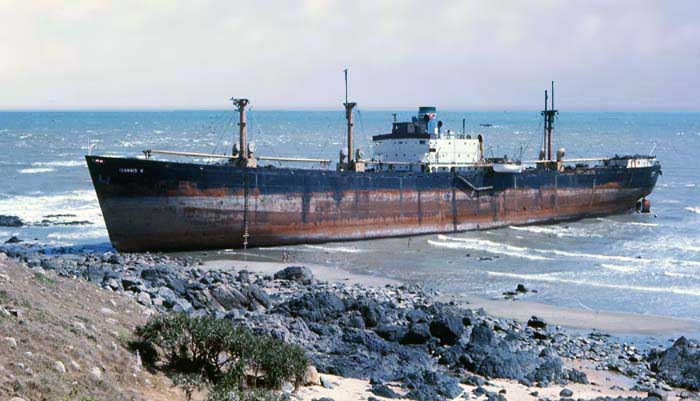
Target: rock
(417, 334)
(566, 393)
(311, 377)
(115, 259)
(428, 385)
(536, 323)
(391, 333)
(106, 311)
(678, 365)
(13, 240)
(372, 312)
(10, 221)
(243, 277)
(229, 297)
(315, 306)
(447, 327)
(16, 399)
(144, 299)
(59, 367)
(521, 289)
(382, 390)
(658, 394)
(11, 342)
(326, 383)
(300, 274)
(96, 373)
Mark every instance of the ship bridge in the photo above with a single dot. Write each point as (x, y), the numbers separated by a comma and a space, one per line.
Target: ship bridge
(422, 145)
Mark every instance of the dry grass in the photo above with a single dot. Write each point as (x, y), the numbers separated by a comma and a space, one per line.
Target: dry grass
(79, 325)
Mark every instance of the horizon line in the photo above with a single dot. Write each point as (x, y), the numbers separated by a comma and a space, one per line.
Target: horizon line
(324, 109)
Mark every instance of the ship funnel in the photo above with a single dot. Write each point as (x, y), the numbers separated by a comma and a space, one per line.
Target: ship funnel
(428, 115)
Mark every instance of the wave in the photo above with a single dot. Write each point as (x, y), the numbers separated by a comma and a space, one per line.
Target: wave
(61, 163)
(694, 209)
(79, 235)
(551, 278)
(555, 230)
(340, 249)
(527, 253)
(620, 268)
(681, 275)
(631, 223)
(639, 223)
(36, 170)
(33, 208)
(491, 247)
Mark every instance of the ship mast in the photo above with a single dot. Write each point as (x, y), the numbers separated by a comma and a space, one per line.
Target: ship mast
(349, 106)
(244, 159)
(549, 115)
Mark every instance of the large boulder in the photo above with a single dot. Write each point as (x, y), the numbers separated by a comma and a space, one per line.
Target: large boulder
(300, 274)
(678, 365)
(320, 306)
(417, 334)
(229, 297)
(447, 327)
(488, 355)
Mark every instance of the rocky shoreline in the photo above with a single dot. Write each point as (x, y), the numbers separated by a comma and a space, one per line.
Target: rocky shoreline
(396, 334)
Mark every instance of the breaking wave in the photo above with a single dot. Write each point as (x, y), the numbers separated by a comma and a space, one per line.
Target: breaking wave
(330, 249)
(551, 278)
(83, 204)
(555, 230)
(693, 209)
(484, 245)
(36, 170)
(61, 163)
(620, 268)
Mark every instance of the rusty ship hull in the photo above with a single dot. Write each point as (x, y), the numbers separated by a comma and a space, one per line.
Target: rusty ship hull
(170, 206)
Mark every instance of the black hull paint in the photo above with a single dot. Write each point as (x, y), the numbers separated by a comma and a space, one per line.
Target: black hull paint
(157, 205)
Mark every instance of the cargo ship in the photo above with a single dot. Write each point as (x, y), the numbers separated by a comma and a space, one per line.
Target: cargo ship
(421, 179)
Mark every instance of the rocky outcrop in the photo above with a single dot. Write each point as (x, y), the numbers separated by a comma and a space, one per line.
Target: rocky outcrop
(678, 365)
(10, 221)
(391, 334)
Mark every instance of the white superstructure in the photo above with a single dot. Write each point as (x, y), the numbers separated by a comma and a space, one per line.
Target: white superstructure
(420, 145)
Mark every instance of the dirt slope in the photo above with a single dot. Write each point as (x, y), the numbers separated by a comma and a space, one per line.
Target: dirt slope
(65, 339)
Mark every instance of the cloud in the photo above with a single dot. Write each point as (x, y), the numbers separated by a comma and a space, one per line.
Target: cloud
(290, 54)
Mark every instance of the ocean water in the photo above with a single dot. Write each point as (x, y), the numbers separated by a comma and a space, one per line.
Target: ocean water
(644, 263)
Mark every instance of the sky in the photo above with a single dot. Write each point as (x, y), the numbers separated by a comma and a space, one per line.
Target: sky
(285, 54)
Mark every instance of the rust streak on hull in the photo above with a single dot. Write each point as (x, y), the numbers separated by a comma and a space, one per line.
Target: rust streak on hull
(166, 208)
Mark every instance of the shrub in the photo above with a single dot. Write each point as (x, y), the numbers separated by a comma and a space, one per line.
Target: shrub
(235, 363)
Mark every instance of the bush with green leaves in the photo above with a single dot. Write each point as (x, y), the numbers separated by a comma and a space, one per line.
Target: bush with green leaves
(204, 351)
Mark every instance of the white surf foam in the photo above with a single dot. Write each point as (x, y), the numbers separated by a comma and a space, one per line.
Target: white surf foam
(551, 278)
(694, 209)
(620, 268)
(488, 246)
(681, 275)
(32, 208)
(61, 163)
(38, 170)
(558, 231)
(641, 224)
(79, 235)
(332, 249)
